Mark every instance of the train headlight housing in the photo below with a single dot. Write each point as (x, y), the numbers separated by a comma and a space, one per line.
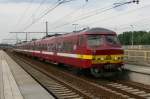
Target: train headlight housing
(102, 58)
(94, 58)
(121, 58)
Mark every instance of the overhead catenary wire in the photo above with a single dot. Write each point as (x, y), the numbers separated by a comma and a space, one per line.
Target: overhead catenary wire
(91, 15)
(126, 25)
(79, 18)
(69, 15)
(118, 15)
(58, 3)
(24, 12)
(75, 11)
(36, 10)
(49, 10)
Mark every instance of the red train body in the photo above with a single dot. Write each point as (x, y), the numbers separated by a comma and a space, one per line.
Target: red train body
(96, 49)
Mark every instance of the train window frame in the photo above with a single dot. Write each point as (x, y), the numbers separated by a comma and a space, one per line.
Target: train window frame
(98, 41)
(68, 46)
(59, 46)
(112, 39)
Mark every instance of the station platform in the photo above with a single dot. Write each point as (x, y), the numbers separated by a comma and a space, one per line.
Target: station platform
(15, 83)
(138, 68)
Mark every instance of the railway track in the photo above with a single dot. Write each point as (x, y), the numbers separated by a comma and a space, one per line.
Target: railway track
(135, 90)
(77, 86)
(57, 87)
(128, 89)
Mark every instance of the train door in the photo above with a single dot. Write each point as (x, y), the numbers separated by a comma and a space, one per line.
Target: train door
(81, 44)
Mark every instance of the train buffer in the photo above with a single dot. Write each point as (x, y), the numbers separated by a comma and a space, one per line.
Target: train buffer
(15, 83)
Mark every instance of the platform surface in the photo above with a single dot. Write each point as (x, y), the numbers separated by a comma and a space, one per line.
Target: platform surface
(15, 83)
(138, 68)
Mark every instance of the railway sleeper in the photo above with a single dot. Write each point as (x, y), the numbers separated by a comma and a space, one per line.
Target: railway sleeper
(115, 84)
(140, 92)
(125, 96)
(122, 87)
(63, 88)
(133, 90)
(145, 95)
(60, 91)
(69, 96)
(55, 85)
(58, 87)
(128, 88)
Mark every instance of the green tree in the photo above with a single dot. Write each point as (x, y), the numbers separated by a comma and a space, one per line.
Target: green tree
(139, 38)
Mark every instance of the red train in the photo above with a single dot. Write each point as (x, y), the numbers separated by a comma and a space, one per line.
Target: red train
(96, 49)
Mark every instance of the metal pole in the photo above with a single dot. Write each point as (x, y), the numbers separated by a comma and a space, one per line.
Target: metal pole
(46, 28)
(16, 38)
(75, 26)
(132, 39)
(26, 36)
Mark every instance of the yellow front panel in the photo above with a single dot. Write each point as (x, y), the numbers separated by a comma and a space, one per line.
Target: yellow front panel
(85, 57)
(101, 59)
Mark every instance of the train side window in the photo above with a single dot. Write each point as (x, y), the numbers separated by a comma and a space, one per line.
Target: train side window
(50, 47)
(45, 47)
(59, 47)
(68, 46)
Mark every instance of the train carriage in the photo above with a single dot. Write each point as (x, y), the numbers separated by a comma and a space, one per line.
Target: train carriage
(96, 49)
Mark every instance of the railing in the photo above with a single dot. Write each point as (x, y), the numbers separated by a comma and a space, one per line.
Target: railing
(137, 47)
(137, 56)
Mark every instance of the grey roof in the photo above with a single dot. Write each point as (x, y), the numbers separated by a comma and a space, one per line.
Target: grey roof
(99, 30)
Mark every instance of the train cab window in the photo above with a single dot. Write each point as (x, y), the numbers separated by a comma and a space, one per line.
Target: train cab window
(94, 40)
(112, 39)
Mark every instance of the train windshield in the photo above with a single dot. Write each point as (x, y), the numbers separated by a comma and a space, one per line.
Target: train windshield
(112, 39)
(94, 40)
(98, 40)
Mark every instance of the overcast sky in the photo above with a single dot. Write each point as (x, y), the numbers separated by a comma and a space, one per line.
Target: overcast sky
(17, 15)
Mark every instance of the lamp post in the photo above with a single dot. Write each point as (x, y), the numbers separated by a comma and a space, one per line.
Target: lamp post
(132, 39)
(46, 28)
(75, 27)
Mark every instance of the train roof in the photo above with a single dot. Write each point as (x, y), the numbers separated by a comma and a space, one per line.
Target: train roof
(96, 30)
(100, 31)
(84, 31)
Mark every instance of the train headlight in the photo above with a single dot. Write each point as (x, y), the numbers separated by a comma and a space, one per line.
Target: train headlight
(116, 58)
(102, 58)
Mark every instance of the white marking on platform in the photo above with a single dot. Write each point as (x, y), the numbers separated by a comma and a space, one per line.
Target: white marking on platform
(11, 90)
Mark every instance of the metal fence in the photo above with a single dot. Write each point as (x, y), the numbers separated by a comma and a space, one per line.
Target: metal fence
(137, 56)
(137, 47)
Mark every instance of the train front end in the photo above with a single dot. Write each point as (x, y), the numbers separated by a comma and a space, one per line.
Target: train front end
(106, 51)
